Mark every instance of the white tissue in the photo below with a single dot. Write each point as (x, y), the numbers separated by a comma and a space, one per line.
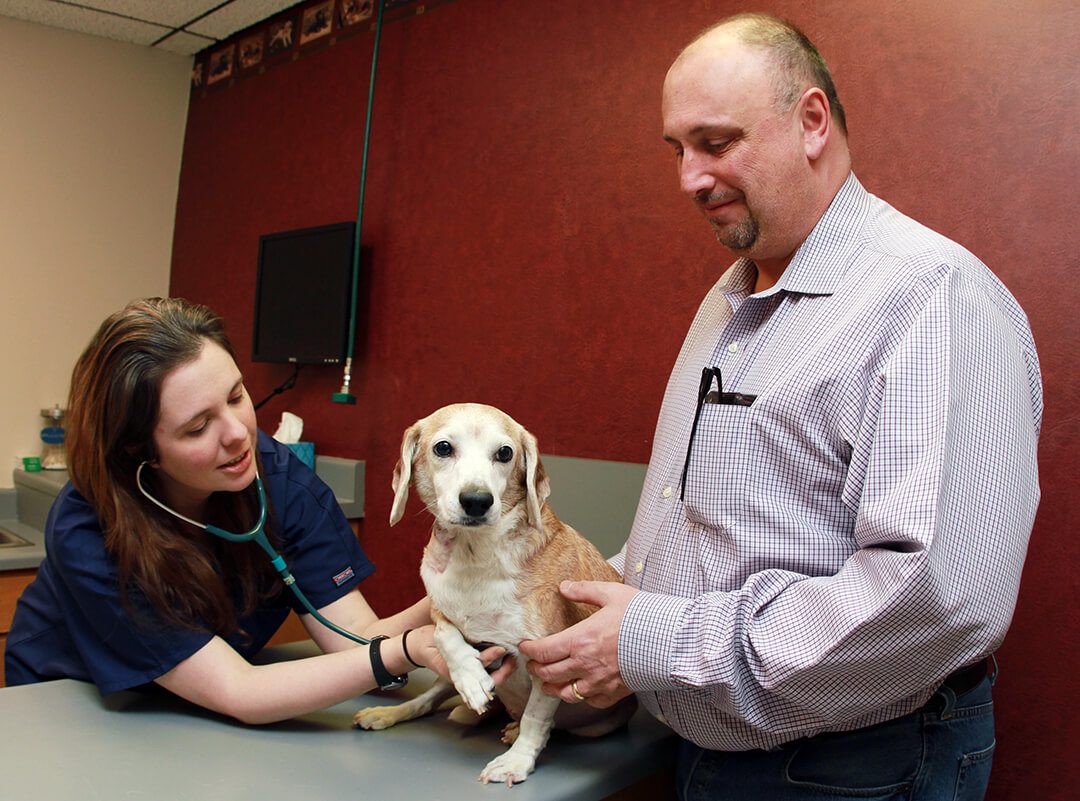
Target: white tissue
(289, 429)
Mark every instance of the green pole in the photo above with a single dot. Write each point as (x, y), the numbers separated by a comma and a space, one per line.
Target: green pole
(344, 395)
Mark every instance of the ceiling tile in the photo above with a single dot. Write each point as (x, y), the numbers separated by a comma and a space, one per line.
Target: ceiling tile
(187, 44)
(237, 15)
(146, 21)
(83, 20)
(172, 13)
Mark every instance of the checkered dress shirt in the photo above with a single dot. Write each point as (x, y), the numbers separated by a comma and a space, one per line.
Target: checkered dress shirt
(858, 532)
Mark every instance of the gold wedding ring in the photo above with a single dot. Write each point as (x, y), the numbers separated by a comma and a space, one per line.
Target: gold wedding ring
(577, 695)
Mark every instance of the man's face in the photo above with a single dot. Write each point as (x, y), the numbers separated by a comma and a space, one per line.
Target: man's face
(740, 158)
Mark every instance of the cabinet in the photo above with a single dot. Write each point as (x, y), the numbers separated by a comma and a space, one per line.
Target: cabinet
(12, 583)
(292, 630)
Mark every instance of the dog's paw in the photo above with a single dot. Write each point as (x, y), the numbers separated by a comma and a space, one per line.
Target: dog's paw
(510, 732)
(476, 689)
(509, 768)
(376, 717)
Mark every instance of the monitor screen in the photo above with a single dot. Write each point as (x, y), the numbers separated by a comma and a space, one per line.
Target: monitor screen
(303, 295)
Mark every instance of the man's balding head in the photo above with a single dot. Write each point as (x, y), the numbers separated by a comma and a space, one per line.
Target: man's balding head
(796, 62)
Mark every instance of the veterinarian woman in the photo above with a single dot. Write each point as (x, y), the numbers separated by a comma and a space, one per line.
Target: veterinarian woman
(129, 594)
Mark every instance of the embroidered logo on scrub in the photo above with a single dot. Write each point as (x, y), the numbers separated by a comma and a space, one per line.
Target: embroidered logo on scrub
(343, 576)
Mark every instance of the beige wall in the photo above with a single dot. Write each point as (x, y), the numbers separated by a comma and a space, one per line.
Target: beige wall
(91, 132)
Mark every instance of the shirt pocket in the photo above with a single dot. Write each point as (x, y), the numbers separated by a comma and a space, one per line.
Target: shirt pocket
(716, 474)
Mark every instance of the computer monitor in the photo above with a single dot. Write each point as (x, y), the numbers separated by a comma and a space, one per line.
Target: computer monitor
(303, 295)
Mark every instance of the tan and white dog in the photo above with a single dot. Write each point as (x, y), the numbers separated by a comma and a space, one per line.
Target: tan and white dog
(492, 570)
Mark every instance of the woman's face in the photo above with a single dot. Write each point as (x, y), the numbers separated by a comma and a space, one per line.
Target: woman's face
(205, 435)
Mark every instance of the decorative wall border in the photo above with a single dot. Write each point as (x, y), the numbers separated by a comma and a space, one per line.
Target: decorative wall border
(289, 35)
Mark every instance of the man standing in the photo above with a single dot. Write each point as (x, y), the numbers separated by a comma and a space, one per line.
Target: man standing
(843, 481)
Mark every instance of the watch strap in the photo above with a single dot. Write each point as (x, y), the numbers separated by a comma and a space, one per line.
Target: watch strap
(383, 677)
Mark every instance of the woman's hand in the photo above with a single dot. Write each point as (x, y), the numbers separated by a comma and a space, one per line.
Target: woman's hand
(422, 648)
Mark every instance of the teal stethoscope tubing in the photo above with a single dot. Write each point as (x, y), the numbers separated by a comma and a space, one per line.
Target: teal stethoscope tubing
(258, 534)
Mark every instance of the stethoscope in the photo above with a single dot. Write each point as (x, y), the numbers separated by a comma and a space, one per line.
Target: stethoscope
(258, 534)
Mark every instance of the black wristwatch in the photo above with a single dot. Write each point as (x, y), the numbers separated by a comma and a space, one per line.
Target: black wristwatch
(383, 677)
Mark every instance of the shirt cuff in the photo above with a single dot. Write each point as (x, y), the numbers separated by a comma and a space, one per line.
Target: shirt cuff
(647, 639)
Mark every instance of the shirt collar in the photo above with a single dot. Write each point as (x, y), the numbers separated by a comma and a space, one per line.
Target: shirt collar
(739, 278)
(818, 266)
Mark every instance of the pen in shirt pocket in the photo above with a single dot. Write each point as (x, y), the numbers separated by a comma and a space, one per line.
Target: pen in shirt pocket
(714, 396)
(706, 394)
(730, 398)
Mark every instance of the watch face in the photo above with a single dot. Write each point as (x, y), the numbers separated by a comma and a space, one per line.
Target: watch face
(395, 683)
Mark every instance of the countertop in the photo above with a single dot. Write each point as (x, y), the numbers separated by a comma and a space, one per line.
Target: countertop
(63, 741)
(22, 556)
(27, 556)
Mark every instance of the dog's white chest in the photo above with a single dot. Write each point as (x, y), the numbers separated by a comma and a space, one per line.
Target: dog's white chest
(482, 603)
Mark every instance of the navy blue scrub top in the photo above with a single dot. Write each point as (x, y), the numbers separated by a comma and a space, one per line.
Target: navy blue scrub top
(70, 622)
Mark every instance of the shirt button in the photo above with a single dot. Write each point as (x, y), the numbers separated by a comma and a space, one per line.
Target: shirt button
(639, 567)
(667, 492)
(733, 347)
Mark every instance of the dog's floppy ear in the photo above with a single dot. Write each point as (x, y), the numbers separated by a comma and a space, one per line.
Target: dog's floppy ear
(537, 485)
(403, 472)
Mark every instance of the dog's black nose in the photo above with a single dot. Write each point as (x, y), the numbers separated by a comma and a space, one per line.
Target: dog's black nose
(476, 504)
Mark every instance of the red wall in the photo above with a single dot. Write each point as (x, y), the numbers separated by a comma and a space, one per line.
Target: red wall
(529, 247)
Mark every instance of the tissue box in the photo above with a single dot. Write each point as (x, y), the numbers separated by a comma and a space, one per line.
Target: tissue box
(305, 452)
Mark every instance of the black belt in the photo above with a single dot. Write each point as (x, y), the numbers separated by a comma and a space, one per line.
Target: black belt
(967, 678)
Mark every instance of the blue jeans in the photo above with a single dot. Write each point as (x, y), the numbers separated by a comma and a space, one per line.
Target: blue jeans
(941, 752)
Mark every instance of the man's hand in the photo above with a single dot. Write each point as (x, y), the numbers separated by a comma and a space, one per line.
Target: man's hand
(581, 663)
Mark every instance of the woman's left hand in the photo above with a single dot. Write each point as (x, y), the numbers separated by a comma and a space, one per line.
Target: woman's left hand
(422, 648)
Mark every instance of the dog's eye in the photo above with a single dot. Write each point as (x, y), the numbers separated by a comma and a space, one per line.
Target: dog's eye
(443, 448)
(504, 454)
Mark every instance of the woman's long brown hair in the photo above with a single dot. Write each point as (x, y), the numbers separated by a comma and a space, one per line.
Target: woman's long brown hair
(190, 578)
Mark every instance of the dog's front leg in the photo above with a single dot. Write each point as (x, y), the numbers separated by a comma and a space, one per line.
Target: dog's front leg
(534, 728)
(472, 682)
